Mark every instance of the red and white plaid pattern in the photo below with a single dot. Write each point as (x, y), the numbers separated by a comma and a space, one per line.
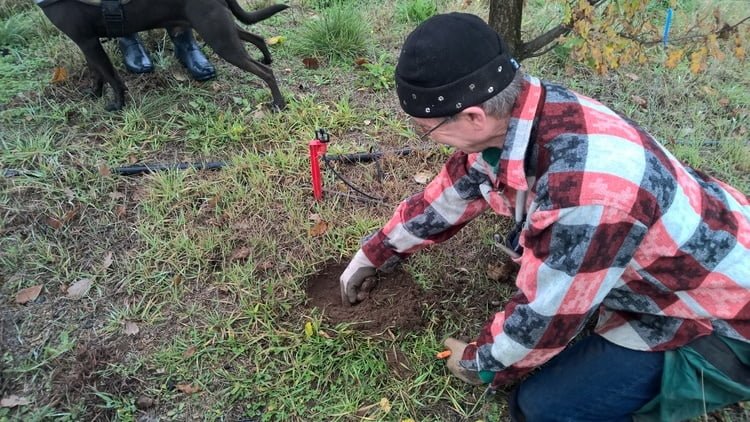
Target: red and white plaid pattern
(616, 226)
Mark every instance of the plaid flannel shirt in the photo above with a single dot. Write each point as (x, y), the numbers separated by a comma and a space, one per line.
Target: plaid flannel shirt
(615, 226)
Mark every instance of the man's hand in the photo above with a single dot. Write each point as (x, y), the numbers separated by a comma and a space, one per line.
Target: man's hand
(457, 351)
(357, 279)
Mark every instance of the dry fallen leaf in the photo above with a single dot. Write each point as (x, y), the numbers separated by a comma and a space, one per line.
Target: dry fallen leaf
(633, 76)
(639, 100)
(188, 388)
(79, 289)
(423, 177)
(28, 294)
(104, 170)
(131, 328)
(108, 260)
(60, 74)
(385, 405)
(361, 61)
(71, 214)
(53, 222)
(319, 228)
(13, 401)
(311, 62)
(189, 352)
(240, 253)
(266, 265)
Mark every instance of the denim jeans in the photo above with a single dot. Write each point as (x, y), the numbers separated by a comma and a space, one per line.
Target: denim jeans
(592, 380)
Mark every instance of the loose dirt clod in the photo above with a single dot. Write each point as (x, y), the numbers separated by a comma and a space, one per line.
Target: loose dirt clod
(396, 302)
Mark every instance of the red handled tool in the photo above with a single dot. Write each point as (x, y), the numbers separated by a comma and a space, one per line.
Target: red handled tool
(318, 148)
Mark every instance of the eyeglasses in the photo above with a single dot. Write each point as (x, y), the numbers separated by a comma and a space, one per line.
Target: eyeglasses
(423, 132)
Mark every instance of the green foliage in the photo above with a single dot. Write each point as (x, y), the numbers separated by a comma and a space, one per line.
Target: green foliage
(339, 33)
(415, 11)
(378, 75)
(325, 4)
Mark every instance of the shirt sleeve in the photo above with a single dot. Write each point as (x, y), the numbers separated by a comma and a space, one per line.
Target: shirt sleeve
(448, 202)
(572, 258)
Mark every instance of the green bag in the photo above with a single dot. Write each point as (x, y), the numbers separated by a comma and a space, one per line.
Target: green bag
(707, 374)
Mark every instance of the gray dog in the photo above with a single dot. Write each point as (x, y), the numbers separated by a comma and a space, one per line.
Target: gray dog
(85, 21)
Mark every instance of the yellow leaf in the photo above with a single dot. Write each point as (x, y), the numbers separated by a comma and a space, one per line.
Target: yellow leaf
(713, 47)
(276, 40)
(698, 60)
(739, 49)
(60, 74)
(674, 58)
(308, 329)
(385, 404)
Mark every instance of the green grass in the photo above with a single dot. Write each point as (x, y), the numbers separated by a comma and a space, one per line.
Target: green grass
(235, 328)
(339, 33)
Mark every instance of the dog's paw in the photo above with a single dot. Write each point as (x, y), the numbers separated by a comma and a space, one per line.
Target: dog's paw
(114, 106)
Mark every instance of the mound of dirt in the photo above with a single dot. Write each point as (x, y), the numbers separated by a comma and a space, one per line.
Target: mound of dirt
(396, 302)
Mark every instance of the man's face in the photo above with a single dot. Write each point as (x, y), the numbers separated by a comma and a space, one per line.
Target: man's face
(470, 131)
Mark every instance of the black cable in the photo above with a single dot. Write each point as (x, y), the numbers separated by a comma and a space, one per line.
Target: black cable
(348, 183)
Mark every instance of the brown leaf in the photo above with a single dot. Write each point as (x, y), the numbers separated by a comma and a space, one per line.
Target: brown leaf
(71, 214)
(189, 352)
(79, 289)
(311, 62)
(423, 177)
(188, 388)
(103, 169)
(361, 61)
(240, 253)
(724, 102)
(319, 228)
(13, 401)
(266, 265)
(120, 211)
(60, 74)
(53, 222)
(131, 328)
(28, 294)
(639, 100)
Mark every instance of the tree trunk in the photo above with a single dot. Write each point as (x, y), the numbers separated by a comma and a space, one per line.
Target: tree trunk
(505, 18)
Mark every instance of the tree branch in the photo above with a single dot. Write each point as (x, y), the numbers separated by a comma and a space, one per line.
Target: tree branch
(726, 29)
(529, 48)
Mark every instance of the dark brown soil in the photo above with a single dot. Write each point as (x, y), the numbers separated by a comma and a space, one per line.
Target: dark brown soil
(395, 303)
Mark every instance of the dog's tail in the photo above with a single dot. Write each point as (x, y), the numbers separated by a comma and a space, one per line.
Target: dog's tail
(255, 16)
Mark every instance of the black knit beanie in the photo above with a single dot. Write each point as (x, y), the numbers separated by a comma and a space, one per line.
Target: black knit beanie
(451, 62)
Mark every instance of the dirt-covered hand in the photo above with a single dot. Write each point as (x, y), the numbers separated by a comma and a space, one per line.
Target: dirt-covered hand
(357, 280)
(457, 351)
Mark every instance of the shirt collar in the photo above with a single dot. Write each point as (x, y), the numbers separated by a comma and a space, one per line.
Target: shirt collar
(508, 161)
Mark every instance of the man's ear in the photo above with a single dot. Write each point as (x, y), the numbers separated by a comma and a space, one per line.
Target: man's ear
(475, 115)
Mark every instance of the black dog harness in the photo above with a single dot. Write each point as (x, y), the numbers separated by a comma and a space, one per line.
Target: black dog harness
(112, 13)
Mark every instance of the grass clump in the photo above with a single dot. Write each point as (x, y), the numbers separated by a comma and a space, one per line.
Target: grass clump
(415, 11)
(339, 33)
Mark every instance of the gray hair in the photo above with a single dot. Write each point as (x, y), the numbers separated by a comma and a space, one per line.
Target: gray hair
(502, 104)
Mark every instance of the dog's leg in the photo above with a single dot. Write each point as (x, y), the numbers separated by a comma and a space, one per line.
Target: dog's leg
(256, 41)
(103, 70)
(225, 41)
